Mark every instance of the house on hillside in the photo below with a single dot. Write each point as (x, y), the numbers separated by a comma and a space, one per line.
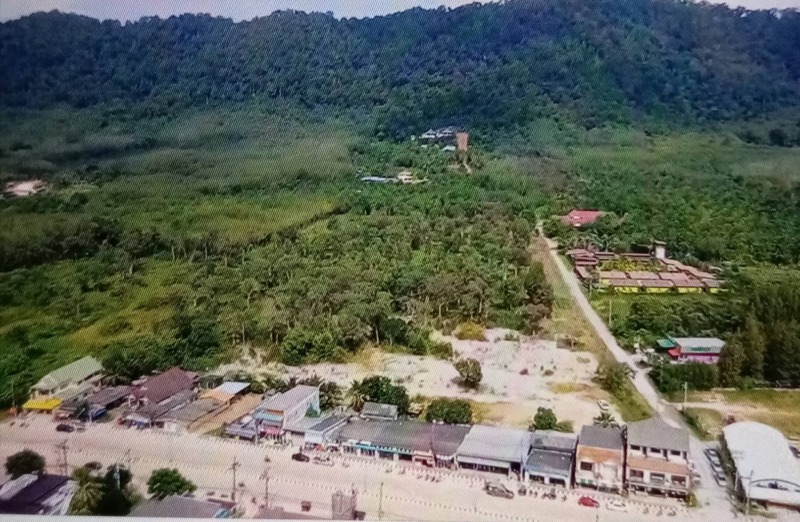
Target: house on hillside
(692, 349)
(37, 495)
(658, 458)
(75, 380)
(579, 218)
(600, 459)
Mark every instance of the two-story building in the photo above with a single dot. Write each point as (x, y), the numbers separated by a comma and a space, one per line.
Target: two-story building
(600, 459)
(73, 381)
(282, 410)
(658, 458)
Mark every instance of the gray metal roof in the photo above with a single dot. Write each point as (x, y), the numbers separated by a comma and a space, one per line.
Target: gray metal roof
(496, 443)
(406, 435)
(192, 411)
(177, 507)
(599, 437)
(549, 462)
(108, 395)
(376, 409)
(287, 400)
(655, 433)
(553, 440)
(327, 423)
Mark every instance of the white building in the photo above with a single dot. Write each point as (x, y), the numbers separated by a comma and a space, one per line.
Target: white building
(766, 469)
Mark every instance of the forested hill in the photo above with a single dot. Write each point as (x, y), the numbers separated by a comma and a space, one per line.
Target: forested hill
(596, 60)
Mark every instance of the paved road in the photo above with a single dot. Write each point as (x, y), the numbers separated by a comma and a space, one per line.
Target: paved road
(709, 492)
(206, 461)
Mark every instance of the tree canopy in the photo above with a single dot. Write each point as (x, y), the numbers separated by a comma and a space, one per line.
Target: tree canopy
(165, 482)
(24, 462)
(498, 64)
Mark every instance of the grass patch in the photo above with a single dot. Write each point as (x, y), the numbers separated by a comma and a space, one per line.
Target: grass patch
(631, 406)
(566, 321)
(568, 387)
(470, 331)
(706, 423)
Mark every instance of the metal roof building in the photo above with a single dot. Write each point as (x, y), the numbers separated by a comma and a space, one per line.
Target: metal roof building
(494, 447)
(655, 433)
(73, 373)
(551, 458)
(766, 469)
(180, 507)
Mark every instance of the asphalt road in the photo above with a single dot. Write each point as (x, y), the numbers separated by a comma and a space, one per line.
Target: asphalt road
(382, 490)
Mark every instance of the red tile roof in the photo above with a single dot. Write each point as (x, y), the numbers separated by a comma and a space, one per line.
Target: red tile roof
(642, 275)
(578, 218)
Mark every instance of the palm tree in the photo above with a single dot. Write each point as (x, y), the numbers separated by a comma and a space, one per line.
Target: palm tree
(355, 396)
(606, 420)
(88, 493)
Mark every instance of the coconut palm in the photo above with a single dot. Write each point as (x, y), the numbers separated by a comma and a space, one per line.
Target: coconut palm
(356, 396)
(88, 493)
(606, 420)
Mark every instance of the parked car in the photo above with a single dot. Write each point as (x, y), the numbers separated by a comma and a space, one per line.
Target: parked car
(588, 502)
(496, 489)
(301, 457)
(617, 504)
(324, 461)
(66, 428)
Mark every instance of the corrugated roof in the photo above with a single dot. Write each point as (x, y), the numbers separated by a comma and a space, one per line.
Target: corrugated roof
(655, 433)
(496, 443)
(553, 440)
(33, 498)
(75, 371)
(176, 507)
(406, 435)
(699, 342)
(612, 274)
(289, 399)
(549, 462)
(599, 437)
(164, 385)
(107, 396)
(642, 275)
(762, 454)
(71, 392)
(233, 388)
(377, 409)
(328, 423)
(192, 411)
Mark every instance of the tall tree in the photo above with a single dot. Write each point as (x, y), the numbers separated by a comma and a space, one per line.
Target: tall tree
(165, 482)
(24, 462)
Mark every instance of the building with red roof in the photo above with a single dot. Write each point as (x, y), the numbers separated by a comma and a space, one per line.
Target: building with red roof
(579, 218)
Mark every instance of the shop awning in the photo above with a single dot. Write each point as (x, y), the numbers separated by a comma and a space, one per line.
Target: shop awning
(49, 404)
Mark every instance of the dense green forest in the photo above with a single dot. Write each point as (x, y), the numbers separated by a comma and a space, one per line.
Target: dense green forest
(492, 65)
(203, 195)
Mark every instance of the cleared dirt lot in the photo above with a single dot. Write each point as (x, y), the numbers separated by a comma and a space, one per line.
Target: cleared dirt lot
(518, 377)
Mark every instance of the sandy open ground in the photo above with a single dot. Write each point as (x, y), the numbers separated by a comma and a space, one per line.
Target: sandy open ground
(25, 188)
(556, 378)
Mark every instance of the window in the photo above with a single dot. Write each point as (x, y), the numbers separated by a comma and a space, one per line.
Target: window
(587, 466)
(679, 480)
(675, 453)
(636, 448)
(637, 474)
(656, 451)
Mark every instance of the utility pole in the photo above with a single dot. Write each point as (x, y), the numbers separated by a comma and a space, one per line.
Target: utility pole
(685, 394)
(233, 468)
(62, 448)
(265, 476)
(749, 485)
(380, 504)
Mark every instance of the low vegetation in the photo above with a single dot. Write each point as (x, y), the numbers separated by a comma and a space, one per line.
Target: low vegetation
(449, 411)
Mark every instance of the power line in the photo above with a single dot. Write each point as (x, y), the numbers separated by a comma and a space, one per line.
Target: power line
(233, 468)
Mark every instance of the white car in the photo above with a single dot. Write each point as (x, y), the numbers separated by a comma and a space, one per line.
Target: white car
(617, 505)
(323, 461)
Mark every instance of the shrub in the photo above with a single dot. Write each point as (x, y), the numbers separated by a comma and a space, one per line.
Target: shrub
(470, 331)
(544, 419)
(470, 372)
(449, 411)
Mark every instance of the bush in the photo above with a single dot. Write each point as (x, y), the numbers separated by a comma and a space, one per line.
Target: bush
(24, 462)
(564, 427)
(470, 331)
(441, 350)
(470, 372)
(544, 419)
(449, 411)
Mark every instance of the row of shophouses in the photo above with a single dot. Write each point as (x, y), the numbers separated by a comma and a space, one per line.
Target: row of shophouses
(649, 456)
